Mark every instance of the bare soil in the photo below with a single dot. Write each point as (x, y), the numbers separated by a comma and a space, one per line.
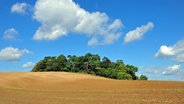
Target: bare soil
(73, 88)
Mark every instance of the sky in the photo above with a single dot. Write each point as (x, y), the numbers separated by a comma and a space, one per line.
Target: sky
(148, 34)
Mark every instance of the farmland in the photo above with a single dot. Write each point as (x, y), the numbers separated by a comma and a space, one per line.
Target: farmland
(73, 88)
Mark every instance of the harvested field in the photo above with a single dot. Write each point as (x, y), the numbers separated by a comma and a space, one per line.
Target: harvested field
(72, 88)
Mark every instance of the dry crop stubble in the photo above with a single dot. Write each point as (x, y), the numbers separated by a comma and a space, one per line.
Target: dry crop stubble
(72, 88)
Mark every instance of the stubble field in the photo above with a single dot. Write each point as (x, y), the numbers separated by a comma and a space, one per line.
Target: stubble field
(72, 88)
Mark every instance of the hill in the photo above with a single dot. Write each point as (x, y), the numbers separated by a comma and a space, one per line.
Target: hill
(73, 88)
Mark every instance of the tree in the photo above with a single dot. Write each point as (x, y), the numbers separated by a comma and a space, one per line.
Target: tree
(39, 67)
(113, 65)
(123, 75)
(94, 62)
(105, 63)
(120, 65)
(113, 73)
(73, 63)
(61, 59)
(132, 70)
(143, 77)
(50, 63)
(61, 63)
(89, 63)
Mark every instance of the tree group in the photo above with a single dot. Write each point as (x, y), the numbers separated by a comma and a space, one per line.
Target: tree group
(89, 63)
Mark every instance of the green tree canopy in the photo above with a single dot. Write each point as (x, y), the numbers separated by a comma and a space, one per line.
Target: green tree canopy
(143, 77)
(91, 64)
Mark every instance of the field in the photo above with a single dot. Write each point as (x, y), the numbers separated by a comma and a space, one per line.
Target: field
(72, 88)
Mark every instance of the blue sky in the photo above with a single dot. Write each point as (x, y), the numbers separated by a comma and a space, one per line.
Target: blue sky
(146, 33)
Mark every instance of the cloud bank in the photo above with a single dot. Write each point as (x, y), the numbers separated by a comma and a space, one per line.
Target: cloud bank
(138, 33)
(12, 54)
(60, 17)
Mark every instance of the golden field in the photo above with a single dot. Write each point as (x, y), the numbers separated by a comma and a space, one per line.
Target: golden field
(73, 88)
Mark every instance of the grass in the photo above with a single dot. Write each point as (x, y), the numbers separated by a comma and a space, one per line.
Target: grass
(72, 88)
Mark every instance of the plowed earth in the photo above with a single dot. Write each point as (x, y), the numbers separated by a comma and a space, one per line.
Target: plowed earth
(72, 88)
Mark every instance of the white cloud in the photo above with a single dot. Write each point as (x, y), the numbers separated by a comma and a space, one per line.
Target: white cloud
(180, 58)
(20, 8)
(28, 65)
(172, 70)
(93, 41)
(60, 17)
(110, 38)
(152, 71)
(176, 50)
(138, 33)
(164, 51)
(115, 25)
(12, 54)
(10, 34)
(178, 47)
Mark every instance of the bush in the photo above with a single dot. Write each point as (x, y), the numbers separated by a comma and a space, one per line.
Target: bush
(143, 77)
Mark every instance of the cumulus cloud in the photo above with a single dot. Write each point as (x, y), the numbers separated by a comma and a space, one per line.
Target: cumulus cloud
(164, 51)
(28, 65)
(12, 54)
(138, 33)
(21, 8)
(172, 70)
(60, 17)
(176, 50)
(10, 34)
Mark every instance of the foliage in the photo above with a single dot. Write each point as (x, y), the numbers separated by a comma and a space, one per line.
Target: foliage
(89, 63)
(143, 77)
